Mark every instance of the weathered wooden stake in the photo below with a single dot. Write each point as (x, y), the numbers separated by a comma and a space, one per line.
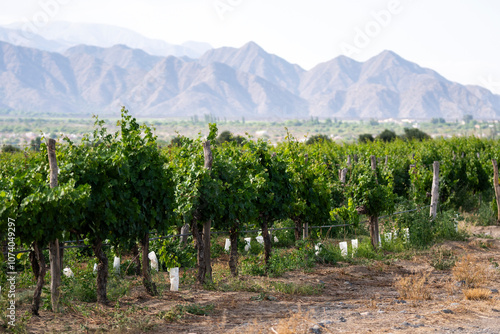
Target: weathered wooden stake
(54, 251)
(343, 175)
(373, 160)
(305, 230)
(497, 187)
(184, 230)
(374, 231)
(435, 190)
(207, 152)
(373, 220)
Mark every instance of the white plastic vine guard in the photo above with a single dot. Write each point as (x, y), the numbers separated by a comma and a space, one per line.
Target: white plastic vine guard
(247, 246)
(406, 233)
(343, 248)
(260, 239)
(354, 243)
(174, 279)
(317, 248)
(154, 261)
(116, 265)
(227, 246)
(68, 272)
(388, 237)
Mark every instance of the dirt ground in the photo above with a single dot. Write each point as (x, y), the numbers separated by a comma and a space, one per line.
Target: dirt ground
(355, 299)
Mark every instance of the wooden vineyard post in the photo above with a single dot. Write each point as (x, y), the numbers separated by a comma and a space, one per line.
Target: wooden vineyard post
(497, 187)
(373, 220)
(207, 152)
(435, 190)
(54, 251)
(343, 171)
(373, 160)
(184, 231)
(305, 230)
(343, 175)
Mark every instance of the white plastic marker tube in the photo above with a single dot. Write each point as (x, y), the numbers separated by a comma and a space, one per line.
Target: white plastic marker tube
(154, 261)
(343, 248)
(68, 272)
(354, 243)
(116, 265)
(247, 246)
(388, 237)
(174, 279)
(406, 233)
(317, 248)
(227, 246)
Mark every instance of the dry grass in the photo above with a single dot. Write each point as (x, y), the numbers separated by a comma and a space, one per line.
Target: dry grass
(442, 258)
(299, 322)
(477, 294)
(414, 287)
(471, 272)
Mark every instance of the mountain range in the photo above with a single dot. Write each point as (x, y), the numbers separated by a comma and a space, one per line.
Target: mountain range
(58, 36)
(224, 82)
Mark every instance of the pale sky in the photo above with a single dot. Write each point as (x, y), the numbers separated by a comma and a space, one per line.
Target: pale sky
(457, 38)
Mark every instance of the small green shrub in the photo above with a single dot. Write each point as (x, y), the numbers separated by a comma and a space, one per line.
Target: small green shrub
(83, 286)
(117, 288)
(10, 149)
(235, 284)
(179, 311)
(172, 253)
(485, 215)
(365, 250)
(253, 265)
(443, 258)
(216, 250)
(329, 253)
(281, 261)
(395, 244)
(445, 227)
(286, 238)
(302, 257)
(424, 231)
(255, 247)
(298, 289)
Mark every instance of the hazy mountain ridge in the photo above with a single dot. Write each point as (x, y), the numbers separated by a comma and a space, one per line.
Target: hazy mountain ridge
(230, 82)
(58, 36)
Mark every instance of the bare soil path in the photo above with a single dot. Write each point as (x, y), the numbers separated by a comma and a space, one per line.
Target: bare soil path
(355, 299)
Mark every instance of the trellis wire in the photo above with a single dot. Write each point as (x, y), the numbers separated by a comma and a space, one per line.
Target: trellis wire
(220, 232)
